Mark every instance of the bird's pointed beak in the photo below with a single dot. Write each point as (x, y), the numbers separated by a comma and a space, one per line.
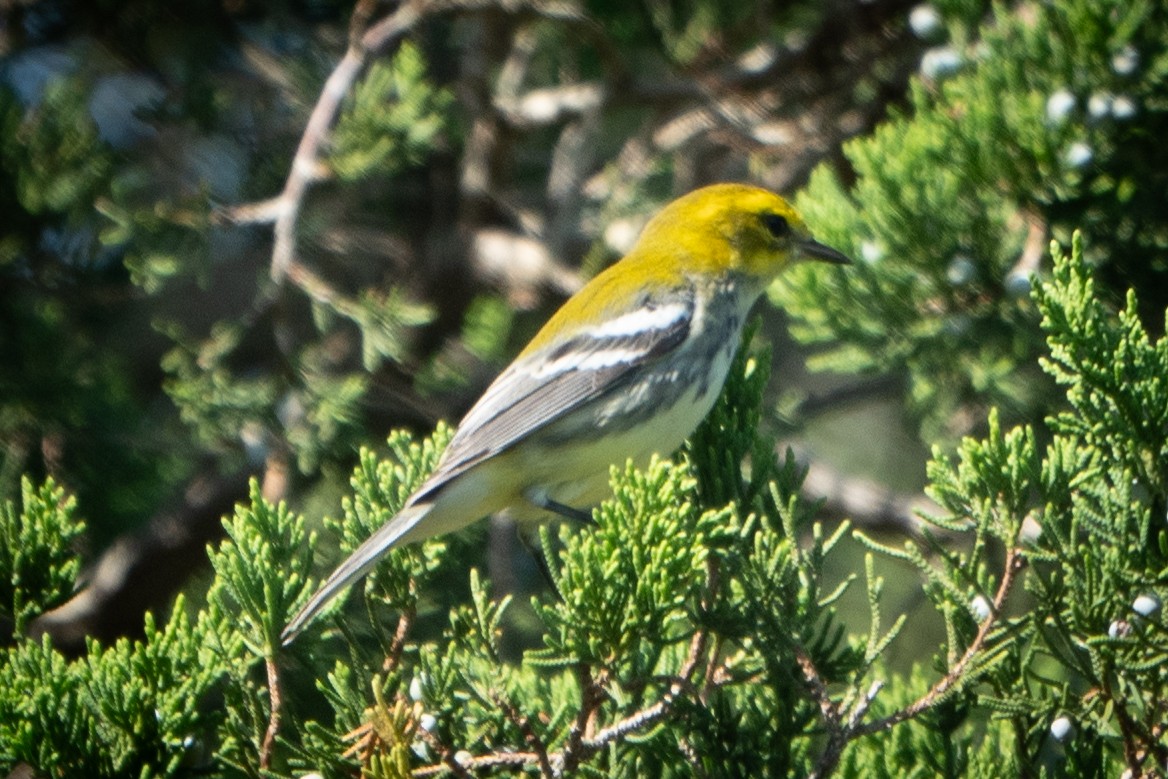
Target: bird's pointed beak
(814, 250)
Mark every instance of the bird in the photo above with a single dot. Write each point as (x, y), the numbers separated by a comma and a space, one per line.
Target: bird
(627, 367)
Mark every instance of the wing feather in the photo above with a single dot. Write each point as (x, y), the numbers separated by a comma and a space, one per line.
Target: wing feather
(540, 388)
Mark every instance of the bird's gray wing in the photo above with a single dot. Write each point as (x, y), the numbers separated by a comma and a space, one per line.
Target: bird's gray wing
(542, 387)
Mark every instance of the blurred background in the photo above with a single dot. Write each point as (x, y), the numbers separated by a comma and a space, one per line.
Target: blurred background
(187, 300)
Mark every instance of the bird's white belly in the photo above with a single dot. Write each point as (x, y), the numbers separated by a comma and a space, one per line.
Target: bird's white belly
(576, 474)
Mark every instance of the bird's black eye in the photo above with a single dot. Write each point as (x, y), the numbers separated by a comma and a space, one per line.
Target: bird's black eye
(777, 225)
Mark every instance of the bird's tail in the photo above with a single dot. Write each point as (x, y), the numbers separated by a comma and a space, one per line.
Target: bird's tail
(391, 534)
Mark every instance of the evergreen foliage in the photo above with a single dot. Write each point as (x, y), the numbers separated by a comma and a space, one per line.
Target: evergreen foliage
(36, 552)
(690, 629)
(1072, 674)
(698, 627)
(397, 107)
(1037, 130)
(133, 708)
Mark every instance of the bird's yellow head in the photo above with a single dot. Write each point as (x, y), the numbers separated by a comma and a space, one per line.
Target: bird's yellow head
(729, 228)
(707, 236)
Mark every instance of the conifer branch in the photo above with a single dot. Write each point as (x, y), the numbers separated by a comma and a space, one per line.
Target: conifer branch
(839, 732)
(582, 743)
(1013, 565)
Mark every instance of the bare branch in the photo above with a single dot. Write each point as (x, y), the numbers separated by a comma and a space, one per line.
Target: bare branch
(551, 105)
(259, 212)
(304, 163)
(388, 32)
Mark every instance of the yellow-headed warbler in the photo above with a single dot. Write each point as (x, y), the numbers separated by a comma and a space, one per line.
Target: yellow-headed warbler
(627, 367)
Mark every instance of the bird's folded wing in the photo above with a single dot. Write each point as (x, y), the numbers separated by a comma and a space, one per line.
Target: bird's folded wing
(542, 387)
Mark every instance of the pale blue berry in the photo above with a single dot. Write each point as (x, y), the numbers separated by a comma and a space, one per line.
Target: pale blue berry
(1062, 729)
(871, 252)
(940, 62)
(1078, 155)
(960, 271)
(1123, 107)
(1125, 61)
(1017, 284)
(416, 687)
(1059, 106)
(1099, 105)
(1146, 605)
(926, 22)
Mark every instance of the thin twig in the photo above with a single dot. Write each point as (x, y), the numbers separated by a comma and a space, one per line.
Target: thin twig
(837, 734)
(1013, 564)
(404, 621)
(581, 745)
(449, 759)
(586, 747)
(862, 705)
(818, 687)
(1131, 733)
(493, 760)
(529, 735)
(693, 758)
(592, 694)
(269, 745)
(698, 645)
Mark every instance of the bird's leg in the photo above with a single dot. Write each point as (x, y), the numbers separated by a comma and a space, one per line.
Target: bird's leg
(540, 498)
(568, 512)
